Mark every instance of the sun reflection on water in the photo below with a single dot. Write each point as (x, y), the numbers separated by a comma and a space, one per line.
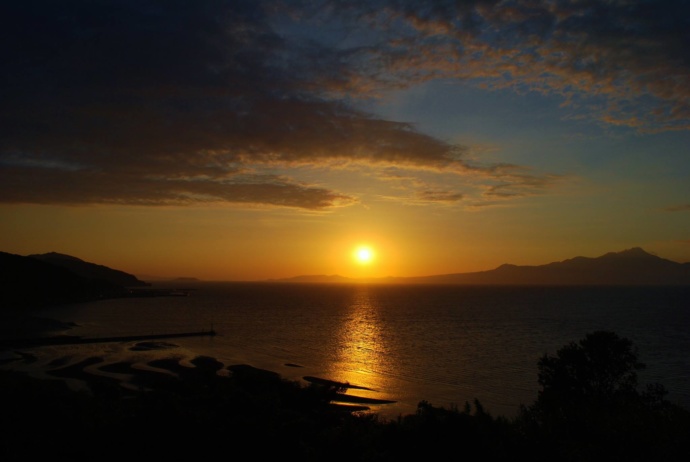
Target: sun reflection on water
(361, 350)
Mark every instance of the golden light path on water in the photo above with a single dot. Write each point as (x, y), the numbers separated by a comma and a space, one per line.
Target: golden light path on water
(361, 348)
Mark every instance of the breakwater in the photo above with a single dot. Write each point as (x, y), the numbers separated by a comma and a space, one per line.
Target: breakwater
(75, 340)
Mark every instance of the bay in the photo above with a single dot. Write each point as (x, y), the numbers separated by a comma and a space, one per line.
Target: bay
(444, 344)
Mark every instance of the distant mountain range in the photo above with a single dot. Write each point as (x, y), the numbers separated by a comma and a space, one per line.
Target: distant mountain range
(52, 278)
(628, 267)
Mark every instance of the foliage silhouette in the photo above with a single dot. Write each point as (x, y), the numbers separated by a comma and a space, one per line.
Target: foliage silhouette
(589, 406)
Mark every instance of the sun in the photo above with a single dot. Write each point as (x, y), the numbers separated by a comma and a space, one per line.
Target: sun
(364, 255)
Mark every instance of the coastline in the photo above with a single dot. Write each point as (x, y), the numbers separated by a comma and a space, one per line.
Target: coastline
(76, 398)
(151, 365)
(41, 347)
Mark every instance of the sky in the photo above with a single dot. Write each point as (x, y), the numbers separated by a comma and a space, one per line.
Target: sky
(261, 139)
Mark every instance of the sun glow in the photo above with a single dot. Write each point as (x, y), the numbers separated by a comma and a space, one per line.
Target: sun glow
(364, 255)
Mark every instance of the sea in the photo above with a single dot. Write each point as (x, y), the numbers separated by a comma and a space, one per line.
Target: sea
(446, 345)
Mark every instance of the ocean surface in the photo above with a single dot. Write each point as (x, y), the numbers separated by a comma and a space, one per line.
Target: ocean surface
(447, 345)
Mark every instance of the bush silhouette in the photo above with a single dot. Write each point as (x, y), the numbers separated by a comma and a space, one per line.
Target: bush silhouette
(600, 367)
(589, 406)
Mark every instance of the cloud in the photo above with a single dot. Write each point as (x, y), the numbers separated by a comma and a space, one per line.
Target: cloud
(74, 187)
(159, 103)
(521, 185)
(439, 196)
(624, 62)
(678, 208)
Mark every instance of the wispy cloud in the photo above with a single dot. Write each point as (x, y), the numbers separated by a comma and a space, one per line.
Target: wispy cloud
(624, 62)
(678, 208)
(435, 195)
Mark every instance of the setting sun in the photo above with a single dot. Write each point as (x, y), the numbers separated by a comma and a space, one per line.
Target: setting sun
(364, 255)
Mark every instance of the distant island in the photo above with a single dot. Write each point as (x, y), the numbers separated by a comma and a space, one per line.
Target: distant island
(320, 278)
(629, 267)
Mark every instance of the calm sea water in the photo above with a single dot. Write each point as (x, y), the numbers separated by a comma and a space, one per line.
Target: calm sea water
(444, 344)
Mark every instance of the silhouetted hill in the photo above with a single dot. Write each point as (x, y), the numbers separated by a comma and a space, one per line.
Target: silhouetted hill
(90, 270)
(316, 278)
(27, 282)
(628, 267)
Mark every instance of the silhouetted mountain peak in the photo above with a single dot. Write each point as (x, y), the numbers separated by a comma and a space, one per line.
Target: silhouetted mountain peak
(635, 252)
(55, 256)
(630, 266)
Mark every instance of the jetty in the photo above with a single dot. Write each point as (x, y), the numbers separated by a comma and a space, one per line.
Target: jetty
(148, 292)
(77, 340)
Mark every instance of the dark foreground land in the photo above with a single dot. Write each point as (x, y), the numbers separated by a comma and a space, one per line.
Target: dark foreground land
(589, 409)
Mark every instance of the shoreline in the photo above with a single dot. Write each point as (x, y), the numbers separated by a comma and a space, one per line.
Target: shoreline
(47, 351)
(155, 365)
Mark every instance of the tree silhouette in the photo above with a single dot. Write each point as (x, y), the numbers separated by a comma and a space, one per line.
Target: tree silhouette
(589, 406)
(602, 366)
